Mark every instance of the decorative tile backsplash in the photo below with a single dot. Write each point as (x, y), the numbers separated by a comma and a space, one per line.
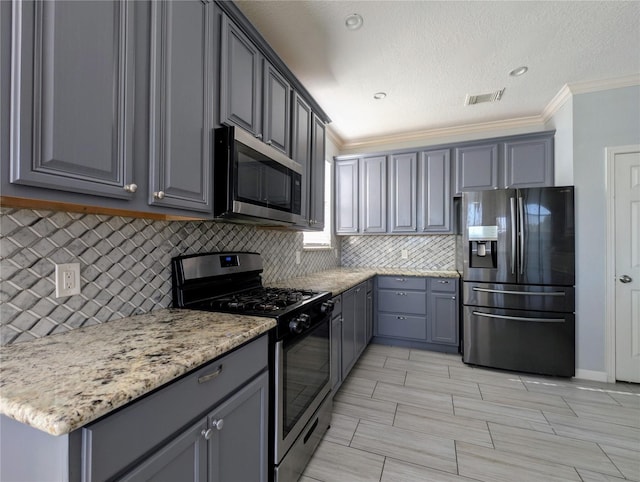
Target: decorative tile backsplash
(124, 265)
(423, 252)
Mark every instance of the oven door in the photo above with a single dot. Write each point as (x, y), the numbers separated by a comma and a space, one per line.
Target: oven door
(302, 368)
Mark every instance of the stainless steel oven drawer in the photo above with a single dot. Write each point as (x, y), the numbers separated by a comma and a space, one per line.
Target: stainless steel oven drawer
(520, 297)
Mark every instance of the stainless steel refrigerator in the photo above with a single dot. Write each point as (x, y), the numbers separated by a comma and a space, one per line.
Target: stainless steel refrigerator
(518, 279)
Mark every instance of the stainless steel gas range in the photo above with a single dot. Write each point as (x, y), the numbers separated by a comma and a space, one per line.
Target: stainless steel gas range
(300, 345)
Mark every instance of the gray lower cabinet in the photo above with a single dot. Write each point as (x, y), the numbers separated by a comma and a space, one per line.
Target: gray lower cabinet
(181, 102)
(403, 201)
(417, 312)
(336, 344)
(72, 110)
(369, 312)
(354, 326)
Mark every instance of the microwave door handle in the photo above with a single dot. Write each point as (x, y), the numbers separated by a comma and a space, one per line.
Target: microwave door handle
(513, 235)
(521, 232)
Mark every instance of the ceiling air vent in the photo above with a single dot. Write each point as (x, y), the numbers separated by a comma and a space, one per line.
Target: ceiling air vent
(494, 96)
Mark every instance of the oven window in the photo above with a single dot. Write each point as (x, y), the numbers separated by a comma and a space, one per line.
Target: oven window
(263, 181)
(306, 371)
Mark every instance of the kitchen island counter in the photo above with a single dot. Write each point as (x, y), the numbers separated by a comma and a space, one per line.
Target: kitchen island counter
(61, 382)
(339, 280)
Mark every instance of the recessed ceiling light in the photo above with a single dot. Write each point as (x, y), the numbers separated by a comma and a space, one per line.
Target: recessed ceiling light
(353, 21)
(379, 95)
(519, 71)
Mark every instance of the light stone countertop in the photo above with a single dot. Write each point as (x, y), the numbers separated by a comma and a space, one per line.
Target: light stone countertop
(339, 280)
(61, 382)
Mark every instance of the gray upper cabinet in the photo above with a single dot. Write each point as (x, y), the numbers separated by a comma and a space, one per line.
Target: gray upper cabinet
(72, 96)
(528, 163)
(477, 168)
(301, 147)
(346, 196)
(276, 110)
(181, 104)
(240, 80)
(434, 204)
(373, 194)
(403, 173)
(316, 186)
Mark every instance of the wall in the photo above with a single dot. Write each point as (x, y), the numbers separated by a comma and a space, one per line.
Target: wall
(562, 122)
(600, 119)
(125, 265)
(424, 252)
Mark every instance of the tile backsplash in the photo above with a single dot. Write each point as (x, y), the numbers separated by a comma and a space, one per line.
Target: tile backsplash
(436, 252)
(124, 265)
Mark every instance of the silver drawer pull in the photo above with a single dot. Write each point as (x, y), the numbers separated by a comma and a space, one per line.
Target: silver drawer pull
(401, 293)
(402, 280)
(210, 376)
(401, 317)
(520, 293)
(443, 282)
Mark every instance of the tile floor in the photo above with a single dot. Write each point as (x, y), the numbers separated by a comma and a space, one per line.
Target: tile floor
(412, 415)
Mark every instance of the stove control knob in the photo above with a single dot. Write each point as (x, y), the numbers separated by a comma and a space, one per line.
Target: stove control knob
(305, 320)
(327, 307)
(295, 326)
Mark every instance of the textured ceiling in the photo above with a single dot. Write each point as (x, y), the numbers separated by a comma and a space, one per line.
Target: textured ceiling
(428, 55)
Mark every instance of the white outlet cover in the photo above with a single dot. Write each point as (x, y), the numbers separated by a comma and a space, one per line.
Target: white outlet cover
(404, 254)
(67, 279)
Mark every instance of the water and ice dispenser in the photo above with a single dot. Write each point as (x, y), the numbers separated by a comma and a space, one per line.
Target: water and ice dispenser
(483, 246)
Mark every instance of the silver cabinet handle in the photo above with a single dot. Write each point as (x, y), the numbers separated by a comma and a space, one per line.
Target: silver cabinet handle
(358, 290)
(401, 280)
(401, 317)
(258, 136)
(206, 433)
(453, 297)
(210, 376)
(217, 424)
(131, 187)
(443, 282)
(401, 293)
(269, 142)
(626, 278)
(158, 194)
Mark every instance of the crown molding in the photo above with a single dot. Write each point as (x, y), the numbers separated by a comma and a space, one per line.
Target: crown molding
(334, 136)
(455, 131)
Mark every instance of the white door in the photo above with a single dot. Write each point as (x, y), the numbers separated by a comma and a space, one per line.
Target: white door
(627, 265)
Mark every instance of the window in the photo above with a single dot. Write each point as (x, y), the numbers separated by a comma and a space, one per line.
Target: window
(322, 239)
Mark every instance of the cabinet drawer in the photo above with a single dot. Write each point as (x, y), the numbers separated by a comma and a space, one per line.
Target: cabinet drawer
(400, 301)
(117, 440)
(402, 282)
(446, 285)
(402, 326)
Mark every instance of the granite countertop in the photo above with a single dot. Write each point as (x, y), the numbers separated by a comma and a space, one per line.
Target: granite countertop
(339, 280)
(61, 382)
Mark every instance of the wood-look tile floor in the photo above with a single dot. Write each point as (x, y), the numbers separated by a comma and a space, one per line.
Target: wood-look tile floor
(413, 415)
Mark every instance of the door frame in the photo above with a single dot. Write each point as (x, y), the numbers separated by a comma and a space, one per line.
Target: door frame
(610, 268)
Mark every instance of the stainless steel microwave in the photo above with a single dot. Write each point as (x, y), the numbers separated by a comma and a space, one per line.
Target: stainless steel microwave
(253, 182)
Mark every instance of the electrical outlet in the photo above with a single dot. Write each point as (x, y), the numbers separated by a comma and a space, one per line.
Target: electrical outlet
(404, 254)
(297, 257)
(67, 279)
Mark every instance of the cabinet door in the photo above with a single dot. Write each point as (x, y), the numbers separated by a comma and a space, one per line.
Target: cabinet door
(348, 331)
(528, 163)
(360, 309)
(184, 458)
(336, 352)
(72, 96)
(316, 194)
(404, 201)
(276, 126)
(476, 168)
(434, 206)
(181, 104)
(443, 318)
(301, 147)
(240, 80)
(346, 192)
(369, 318)
(239, 437)
(373, 194)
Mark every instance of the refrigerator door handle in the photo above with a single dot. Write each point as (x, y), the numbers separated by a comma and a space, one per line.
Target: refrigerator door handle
(520, 318)
(513, 235)
(521, 232)
(521, 293)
